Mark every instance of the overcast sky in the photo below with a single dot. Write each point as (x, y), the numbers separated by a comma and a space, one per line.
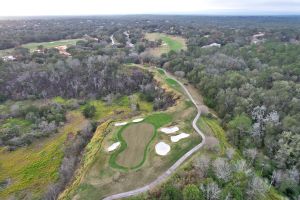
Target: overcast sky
(105, 7)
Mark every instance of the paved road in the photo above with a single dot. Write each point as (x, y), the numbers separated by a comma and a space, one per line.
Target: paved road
(173, 168)
(112, 40)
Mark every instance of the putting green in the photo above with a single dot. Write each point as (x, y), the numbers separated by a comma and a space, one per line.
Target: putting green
(136, 136)
(135, 139)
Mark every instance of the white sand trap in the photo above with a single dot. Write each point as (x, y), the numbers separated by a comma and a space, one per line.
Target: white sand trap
(121, 123)
(162, 148)
(113, 146)
(138, 120)
(169, 130)
(176, 138)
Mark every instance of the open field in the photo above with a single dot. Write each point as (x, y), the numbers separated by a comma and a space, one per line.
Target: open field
(33, 46)
(136, 138)
(169, 43)
(35, 167)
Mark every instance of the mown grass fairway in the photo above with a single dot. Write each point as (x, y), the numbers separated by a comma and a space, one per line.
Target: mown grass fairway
(136, 138)
(33, 46)
(169, 43)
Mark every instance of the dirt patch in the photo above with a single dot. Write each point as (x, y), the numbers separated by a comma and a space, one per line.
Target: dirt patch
(136, 136)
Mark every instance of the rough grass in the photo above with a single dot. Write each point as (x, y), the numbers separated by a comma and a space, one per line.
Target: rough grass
(175, 43)
(23, 124)
(135, 139)
(89, 156)
(212, 127)
(119, 105)
(33, 168)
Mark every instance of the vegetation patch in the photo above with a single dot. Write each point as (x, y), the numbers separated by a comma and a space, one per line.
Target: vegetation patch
(172, 83)
(35, 167)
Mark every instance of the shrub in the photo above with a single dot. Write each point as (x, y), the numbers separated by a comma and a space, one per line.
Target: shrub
(89, 111)
(192, 192)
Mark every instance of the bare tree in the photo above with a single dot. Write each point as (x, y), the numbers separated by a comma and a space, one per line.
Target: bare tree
(257, 188)
(211, 191)
(222, 169)
(202, 164)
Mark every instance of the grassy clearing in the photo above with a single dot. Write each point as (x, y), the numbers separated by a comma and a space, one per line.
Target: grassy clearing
(158, 119)
(162, 72)
(175, 43)
(120, 105)
(172, 83)
(135, 139)
(33, 168)
(23, 124)
(33, 46)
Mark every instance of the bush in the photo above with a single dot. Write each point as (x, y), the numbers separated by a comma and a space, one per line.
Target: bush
(89, 111)
(170, 192)
(192, 192)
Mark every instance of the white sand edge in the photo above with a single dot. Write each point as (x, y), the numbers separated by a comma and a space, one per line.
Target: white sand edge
(138, 120)
(169, 130)
(121, 123)
(176, 138)
(113, 146)
(162, 148)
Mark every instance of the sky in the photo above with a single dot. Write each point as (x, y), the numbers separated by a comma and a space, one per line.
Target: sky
(120, 7)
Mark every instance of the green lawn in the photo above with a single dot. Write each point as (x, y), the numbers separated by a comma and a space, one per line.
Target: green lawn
(33, 46)
(173, 44)
(172, 83)
(157, 120)
(170, 42)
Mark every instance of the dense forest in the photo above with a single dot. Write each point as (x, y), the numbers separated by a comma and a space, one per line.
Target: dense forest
(252, 82)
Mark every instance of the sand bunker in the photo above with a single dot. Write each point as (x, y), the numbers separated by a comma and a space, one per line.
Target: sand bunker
(138, 120)
(169, 130)
(121, 123)
(113, 146)
(176, 138)
(162, 148)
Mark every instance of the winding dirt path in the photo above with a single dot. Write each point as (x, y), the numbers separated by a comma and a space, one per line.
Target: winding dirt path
(173, 168)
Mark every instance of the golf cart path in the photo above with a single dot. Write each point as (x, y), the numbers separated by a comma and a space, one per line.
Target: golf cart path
(173, 168)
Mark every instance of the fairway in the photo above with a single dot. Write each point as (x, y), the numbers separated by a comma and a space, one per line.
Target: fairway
(33, 46)
(137, 137)
(169, 43)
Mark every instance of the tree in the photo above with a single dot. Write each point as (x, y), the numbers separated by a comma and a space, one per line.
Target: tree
(211, 190)
(170, 192)
(89, 111)
(240, 125)
(222, 169)
(257, 188)
(192, 192)
(288, 153)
